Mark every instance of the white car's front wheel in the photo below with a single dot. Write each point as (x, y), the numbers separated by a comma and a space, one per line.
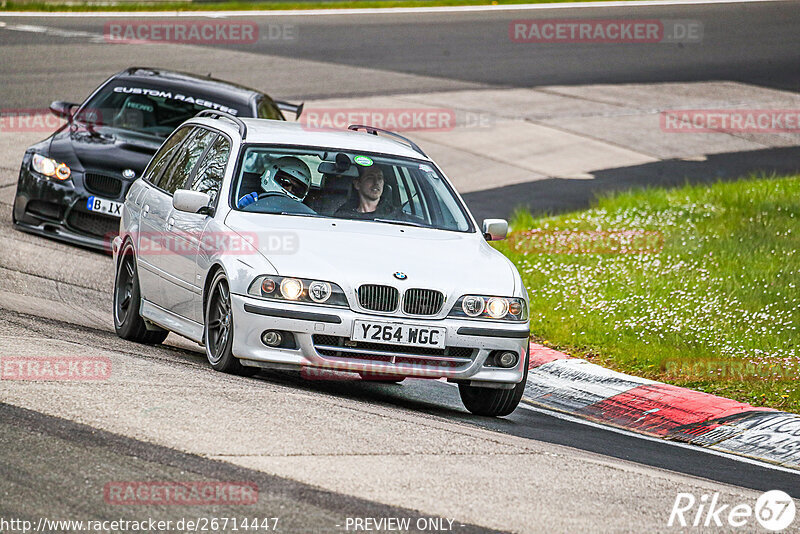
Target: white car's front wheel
(494, 402)
(219, 329)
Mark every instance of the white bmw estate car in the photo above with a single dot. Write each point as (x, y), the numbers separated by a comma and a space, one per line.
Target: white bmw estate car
(278, 246)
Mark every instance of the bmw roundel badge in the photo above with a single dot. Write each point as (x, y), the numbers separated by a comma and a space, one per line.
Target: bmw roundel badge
(400, 276)
(128, 174)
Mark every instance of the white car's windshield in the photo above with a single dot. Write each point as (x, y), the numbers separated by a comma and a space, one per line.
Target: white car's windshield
(346, 185)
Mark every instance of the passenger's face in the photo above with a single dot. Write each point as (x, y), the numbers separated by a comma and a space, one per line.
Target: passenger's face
(370, 183)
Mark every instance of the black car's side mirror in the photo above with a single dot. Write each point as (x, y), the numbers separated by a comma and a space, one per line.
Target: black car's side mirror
(61, 109)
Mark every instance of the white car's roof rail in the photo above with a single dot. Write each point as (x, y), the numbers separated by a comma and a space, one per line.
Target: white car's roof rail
(374, 131)
(214, 114)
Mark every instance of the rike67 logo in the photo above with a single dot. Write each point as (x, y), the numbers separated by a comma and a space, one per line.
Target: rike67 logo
(774, 510)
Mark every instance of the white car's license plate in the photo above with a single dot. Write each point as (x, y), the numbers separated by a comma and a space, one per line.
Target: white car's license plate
(101, 205)
(399, 334)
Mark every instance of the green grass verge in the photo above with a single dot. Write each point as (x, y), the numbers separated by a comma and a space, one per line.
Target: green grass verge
(251, 6)
(717, 309)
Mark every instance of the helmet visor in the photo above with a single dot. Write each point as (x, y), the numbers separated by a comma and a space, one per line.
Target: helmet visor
(292, 185)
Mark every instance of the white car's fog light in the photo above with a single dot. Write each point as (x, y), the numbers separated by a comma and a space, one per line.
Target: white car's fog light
(472, 306)
(506, 359)
(271, 338)
(319, 291)
(497, 308)
(291, 288)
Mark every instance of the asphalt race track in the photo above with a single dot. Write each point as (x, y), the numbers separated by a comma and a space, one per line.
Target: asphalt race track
(756, 43)
(323, 451)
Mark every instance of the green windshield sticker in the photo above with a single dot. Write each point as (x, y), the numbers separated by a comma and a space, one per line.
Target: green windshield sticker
(364, 161)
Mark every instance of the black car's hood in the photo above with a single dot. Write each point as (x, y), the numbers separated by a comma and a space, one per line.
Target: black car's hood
(110, 151)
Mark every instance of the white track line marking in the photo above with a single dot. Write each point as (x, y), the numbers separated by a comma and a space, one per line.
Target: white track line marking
(379, 11)
(735, 457)
(574, 419)
(58, 32)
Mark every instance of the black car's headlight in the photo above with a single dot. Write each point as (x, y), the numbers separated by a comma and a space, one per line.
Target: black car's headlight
(297, 290)
(50, 167)
(491, 308)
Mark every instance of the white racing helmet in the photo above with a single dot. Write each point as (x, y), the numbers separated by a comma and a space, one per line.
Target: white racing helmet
(287, 175)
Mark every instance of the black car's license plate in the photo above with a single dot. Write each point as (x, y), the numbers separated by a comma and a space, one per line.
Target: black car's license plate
(101, 205)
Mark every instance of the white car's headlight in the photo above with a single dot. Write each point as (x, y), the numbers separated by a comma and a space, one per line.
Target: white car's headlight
(50, 167)
(492, 308)
(291, 288)
(297, 290)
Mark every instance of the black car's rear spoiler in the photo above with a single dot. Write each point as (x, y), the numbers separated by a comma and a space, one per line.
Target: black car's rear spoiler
(297, 109)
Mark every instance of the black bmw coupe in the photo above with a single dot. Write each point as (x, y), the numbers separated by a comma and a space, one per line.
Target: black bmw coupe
(72, 184)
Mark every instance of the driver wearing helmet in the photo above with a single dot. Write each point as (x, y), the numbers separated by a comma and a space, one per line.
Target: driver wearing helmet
(287, 177)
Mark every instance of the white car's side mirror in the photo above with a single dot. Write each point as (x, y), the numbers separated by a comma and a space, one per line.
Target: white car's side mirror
(190, 201)
(495, 229)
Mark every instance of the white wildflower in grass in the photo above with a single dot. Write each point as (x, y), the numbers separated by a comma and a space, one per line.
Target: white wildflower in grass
(722, 288)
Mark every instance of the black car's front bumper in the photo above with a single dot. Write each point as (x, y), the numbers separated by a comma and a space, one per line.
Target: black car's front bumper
(57, 209)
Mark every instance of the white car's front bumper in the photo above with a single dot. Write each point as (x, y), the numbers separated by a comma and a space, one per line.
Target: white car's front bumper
(469, 342)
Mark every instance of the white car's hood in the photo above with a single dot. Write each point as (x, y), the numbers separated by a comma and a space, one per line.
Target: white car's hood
(351, 253)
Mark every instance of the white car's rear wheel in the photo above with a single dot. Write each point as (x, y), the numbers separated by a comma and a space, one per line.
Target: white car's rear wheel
(219, 329)
(127, 322)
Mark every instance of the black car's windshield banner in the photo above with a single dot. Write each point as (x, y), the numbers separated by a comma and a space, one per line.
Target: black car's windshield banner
(175, 96)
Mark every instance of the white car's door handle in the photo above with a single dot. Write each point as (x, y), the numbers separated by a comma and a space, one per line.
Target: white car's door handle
(170, 223)
(145, 210)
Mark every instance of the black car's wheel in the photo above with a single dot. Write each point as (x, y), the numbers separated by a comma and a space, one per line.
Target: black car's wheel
(494, 402)
(127, 321)
(219, 329)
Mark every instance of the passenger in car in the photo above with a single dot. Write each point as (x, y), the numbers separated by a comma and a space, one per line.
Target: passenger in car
(369, 200)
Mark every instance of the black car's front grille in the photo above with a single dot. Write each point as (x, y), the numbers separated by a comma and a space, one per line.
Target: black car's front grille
(337, 347)
(102, 184)
(422, 301)
(378, 298)
(93, 224)
(45, 210)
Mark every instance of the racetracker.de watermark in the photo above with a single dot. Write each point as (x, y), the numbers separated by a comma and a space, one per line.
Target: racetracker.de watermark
(55, 368)
(730, 121)
(157, 493)
(203, 31)
(544, 241)
(185, 243)
(727, 370)
(395, 119)
(626, 31)
(19, 120)
(378, 371)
